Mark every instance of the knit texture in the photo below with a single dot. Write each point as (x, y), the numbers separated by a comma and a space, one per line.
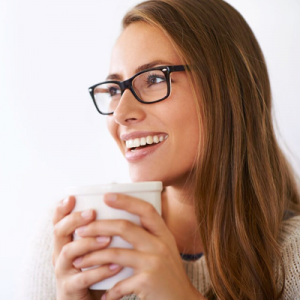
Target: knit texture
(37, 281)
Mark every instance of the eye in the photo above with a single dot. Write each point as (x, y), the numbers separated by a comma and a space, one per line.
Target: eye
(113, 91)
(155, 79)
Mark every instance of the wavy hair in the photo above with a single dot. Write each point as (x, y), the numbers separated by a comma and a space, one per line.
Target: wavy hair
(245, 187)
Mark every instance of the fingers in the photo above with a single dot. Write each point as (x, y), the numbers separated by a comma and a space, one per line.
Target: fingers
(63, 208)
(73, 251)
(126, 287)
(123, 257)
(150, 218)
(70, 280)
(87, 278)
(64, 229)
(130, 232)
(68, 224)
(65, 224)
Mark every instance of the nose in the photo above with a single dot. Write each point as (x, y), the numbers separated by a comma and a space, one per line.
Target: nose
(129, 110)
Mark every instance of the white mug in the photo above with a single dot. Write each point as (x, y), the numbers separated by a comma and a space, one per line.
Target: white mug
(91, 197)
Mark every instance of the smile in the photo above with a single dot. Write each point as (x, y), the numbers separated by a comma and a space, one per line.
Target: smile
(140, 148)
(145, 141)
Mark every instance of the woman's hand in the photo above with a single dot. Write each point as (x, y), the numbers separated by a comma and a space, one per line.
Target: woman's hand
(158, 269)
(72, 283)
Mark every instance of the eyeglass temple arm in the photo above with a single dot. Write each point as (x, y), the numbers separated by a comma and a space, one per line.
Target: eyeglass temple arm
(179, 68)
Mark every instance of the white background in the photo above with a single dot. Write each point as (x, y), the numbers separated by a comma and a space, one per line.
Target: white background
(50, 133)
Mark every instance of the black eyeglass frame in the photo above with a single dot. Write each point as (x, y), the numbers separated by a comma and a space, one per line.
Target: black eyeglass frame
(127, 84)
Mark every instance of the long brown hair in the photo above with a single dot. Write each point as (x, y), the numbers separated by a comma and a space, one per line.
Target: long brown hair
(245, 187)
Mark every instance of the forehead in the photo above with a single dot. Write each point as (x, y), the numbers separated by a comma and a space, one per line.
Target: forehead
(141, 44)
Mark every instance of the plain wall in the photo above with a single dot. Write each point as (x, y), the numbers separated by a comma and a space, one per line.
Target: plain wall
(50, 133)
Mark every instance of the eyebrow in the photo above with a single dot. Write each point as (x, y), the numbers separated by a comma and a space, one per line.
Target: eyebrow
(150, 65)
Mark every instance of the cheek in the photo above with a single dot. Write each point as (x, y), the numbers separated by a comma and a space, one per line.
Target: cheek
(187, 129)
(112, 127)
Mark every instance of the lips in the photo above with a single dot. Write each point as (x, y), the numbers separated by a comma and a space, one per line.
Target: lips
(142, 152)
(140, 144)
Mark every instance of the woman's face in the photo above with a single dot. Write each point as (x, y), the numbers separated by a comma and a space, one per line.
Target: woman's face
(174, 119)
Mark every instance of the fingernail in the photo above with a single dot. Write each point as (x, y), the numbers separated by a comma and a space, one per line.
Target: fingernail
(102, 239)
(80, 230)
(87, 214)
(114, 267)
(111, 197)
(65, 202)
(103, 297)
(78, 260)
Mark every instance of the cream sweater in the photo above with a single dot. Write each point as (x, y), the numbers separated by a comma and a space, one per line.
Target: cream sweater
(37, 280)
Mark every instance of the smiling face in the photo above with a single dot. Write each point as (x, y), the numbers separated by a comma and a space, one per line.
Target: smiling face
(173, 120)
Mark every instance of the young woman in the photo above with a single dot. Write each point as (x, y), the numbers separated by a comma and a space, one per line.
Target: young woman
(189, 78)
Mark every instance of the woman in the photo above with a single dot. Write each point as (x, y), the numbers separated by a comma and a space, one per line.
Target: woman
(229, 191)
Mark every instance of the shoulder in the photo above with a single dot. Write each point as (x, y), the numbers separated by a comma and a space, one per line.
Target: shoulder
(289, 237)
(290, 230)
(289, 240)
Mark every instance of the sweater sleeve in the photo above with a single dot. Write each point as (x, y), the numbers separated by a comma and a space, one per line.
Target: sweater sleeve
(37, 279)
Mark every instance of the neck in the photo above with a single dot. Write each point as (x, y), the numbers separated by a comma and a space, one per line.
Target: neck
(178, 214)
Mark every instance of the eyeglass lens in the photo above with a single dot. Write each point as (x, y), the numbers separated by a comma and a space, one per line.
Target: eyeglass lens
(149, 86)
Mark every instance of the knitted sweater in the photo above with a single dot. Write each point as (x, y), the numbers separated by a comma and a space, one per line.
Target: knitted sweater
(37, 280)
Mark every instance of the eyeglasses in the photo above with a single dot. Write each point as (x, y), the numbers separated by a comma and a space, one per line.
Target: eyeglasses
(148, 86)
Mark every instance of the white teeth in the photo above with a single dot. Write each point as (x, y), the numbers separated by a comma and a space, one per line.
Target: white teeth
(149, 140)
(135, 143)
(129, 144)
